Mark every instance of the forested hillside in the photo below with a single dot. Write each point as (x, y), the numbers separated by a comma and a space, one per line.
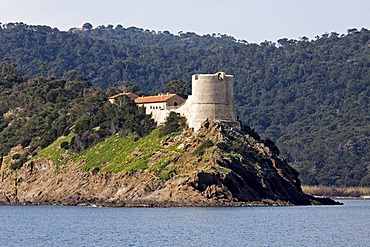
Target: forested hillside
(311, 97)
(35, 112)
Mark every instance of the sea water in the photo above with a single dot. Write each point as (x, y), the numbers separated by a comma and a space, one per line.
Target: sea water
(347, 225)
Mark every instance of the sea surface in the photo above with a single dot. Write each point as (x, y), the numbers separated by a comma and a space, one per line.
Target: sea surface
(347, 225)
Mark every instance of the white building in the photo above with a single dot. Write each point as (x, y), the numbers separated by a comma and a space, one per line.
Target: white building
(160, 105)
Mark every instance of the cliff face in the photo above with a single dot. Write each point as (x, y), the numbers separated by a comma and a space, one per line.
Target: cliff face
(214, 167)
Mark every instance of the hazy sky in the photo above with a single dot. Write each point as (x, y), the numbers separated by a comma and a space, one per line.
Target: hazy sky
(252, 20)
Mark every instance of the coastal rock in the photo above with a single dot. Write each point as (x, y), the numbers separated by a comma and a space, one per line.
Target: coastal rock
(216, 166)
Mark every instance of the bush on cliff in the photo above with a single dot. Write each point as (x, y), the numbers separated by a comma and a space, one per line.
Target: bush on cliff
(173, 123)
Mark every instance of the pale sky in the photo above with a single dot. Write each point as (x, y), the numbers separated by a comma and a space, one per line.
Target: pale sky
(251, 20)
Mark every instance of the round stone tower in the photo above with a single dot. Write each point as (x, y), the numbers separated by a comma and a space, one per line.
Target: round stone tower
(212, 99)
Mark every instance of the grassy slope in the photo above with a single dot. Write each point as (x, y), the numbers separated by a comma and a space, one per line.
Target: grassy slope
(55, 153)
(160, 156)
(152, 157)
(123, 154)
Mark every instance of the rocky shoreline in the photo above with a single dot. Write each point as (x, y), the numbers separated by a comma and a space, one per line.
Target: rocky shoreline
(146, 204)
(235, 169)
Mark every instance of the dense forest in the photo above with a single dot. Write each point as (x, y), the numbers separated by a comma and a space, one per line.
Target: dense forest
(311, 97)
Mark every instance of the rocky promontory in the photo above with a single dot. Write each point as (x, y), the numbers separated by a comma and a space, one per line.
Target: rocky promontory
(216, 166)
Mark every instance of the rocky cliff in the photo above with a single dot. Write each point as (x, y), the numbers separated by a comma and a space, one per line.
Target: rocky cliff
(216, 166)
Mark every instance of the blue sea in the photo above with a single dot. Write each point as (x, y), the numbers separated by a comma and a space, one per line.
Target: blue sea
(347, 225)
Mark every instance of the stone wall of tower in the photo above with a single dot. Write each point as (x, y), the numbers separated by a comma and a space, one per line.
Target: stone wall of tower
(212, 99)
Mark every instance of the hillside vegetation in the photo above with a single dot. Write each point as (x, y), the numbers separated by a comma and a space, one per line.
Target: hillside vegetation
(35, 112)
(311, 97)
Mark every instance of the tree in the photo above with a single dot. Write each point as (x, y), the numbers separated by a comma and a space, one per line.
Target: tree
(9, 73)
(127, 86)
(174, 122)
(179, 87)
(87, 26)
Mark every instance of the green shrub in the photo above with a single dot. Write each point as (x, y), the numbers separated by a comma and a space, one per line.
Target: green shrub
(17, 165)
(239, 146)
(64, 145)
(26, 142)
(167, 174)
(206, 144)
(160, 165)
(16, 156)
(173, 123)
(223, 146)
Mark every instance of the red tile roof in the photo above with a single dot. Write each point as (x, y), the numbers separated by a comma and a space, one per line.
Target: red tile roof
(154, 99)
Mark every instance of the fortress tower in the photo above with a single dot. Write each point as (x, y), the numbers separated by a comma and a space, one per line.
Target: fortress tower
(212, 99)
